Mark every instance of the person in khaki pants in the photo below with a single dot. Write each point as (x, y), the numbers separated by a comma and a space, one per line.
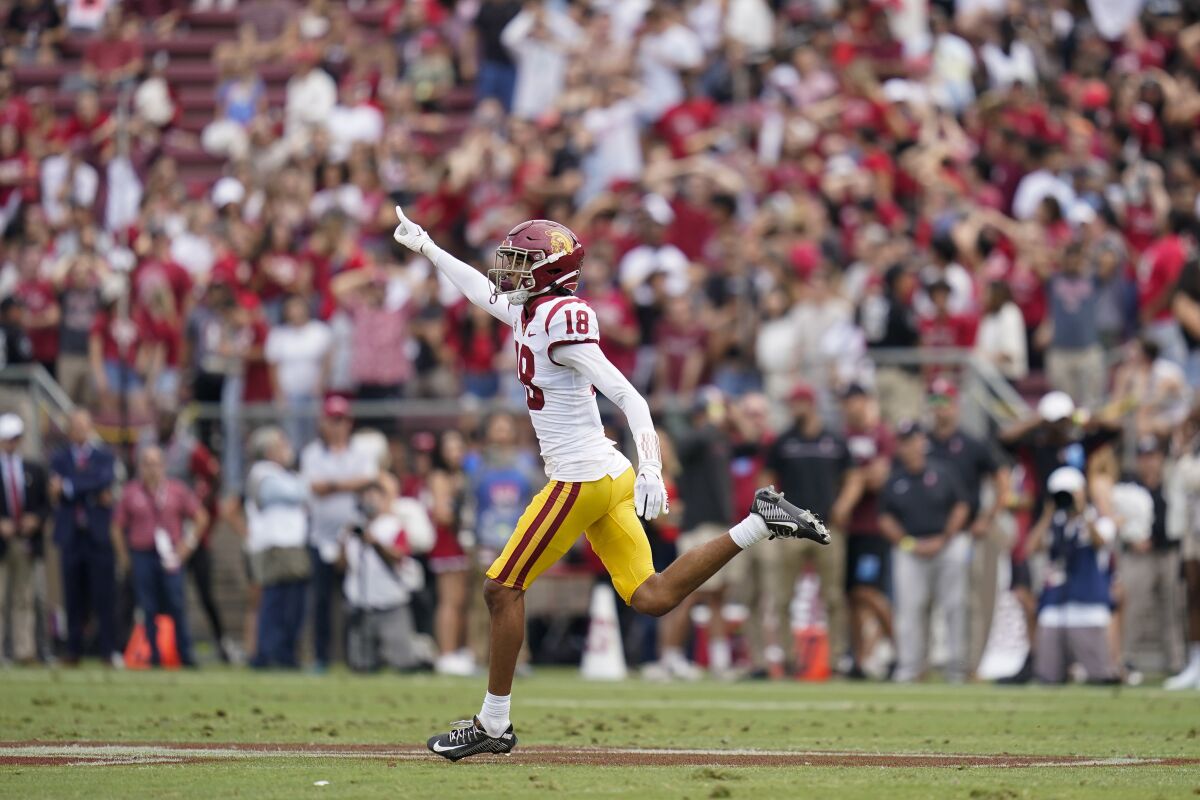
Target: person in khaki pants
(24, 505)
(812, 466)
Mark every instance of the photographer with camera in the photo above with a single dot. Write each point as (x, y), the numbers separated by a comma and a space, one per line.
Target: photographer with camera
(1075, 606)
(379, 581)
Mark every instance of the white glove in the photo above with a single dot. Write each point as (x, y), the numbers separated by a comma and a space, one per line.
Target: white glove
(410, 234)
(650, 493)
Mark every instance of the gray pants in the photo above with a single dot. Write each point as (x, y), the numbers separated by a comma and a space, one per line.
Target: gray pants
(17, 601)
(1153, 602)
(921, 583)
(380, 638)
(1079, 373)
(1058, 648)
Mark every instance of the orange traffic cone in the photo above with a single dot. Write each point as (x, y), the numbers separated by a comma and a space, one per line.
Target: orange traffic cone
(137, 651)
(812, 654)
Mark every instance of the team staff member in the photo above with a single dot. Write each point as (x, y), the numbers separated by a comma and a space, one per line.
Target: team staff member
(976, 467)
(924, 510)
(148, 535)
(82, 483)
(24, 507)
(868, 553)
(811, 465)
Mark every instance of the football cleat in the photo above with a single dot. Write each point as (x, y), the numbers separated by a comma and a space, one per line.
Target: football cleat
(786, 521)
(468, 738)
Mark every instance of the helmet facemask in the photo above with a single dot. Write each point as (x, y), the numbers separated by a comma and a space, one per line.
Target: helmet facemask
(512, 275)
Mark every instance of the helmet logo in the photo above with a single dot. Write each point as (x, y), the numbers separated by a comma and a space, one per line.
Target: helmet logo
(560, 242)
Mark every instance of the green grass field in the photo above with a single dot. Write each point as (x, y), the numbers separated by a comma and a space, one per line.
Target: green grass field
(216, 708)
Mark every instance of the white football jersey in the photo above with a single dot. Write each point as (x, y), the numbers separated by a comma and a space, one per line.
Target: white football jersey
(562, 402)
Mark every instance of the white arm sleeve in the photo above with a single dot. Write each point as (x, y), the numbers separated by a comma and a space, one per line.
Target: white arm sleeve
(471, 282)
(591, 363)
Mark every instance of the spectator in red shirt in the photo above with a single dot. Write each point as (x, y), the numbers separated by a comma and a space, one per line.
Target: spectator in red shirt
(477, 339)
(151, 545)
(943, 328)
(158, 269)
(680, 342)
(123, 354)
(42, 312)
(615, 313)
(379, 364)
(18, 173)
(1157, 273)
(114, 58)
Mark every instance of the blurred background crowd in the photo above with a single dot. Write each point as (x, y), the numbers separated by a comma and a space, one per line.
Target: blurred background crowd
(904, 258)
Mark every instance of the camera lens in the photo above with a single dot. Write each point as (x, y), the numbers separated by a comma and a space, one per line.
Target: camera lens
(1064, 500)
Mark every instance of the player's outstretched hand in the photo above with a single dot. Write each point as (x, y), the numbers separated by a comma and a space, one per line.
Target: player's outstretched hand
(649, 494)
(409, 233)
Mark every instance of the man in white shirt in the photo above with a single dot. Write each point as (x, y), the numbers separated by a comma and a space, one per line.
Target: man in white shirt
(667, 48)
(311, 97)
(541, 40)
(335, 472)
(297, 353)
(67, 180)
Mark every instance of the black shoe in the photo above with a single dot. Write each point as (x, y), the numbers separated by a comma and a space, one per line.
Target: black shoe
(785, 520)
(1023, 676)
(468, 738)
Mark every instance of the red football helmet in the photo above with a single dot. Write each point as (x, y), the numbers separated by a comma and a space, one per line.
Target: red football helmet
(536, 257)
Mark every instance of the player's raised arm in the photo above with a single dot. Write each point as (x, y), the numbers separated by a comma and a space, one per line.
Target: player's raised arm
(649, 492)
(468, 280)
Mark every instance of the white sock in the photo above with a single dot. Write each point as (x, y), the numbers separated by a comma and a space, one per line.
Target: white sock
(494, 714)
(720, 655)
(1194, 654)
(673, 655)
(749, 531)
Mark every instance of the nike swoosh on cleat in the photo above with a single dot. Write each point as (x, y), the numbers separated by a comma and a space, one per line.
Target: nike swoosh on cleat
(437, 748)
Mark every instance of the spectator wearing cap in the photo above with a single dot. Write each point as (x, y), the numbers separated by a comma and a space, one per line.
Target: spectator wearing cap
(334, 472)
(276, 530)
(1055, 435)
(24, 510)
(1074, 611)
(83, 474)
(924, 509)
(380, 578)
(1000, 338)
(155, 531)
(1074, 357)
(813, 467)
(986, 483)
(298, 352)
(1150, 562)
(868, 553)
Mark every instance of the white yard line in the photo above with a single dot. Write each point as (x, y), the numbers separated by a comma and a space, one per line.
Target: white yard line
(116, 754)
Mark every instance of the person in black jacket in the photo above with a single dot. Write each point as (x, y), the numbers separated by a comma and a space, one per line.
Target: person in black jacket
(24, 507)
(83, 475)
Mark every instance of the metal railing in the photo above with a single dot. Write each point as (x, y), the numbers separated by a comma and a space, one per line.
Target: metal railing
(40, 399)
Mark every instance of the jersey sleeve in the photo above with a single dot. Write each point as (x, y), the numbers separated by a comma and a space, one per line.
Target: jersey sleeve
(570, 321)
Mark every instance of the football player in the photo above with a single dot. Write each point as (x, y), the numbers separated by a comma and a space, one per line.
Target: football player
(593, 489)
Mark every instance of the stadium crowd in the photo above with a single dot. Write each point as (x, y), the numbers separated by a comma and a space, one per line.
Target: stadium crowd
(766, 191)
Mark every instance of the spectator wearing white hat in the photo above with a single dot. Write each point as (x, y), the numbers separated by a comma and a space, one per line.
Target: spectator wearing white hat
(1074, 610)
(1057, 435)
(24, 507)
